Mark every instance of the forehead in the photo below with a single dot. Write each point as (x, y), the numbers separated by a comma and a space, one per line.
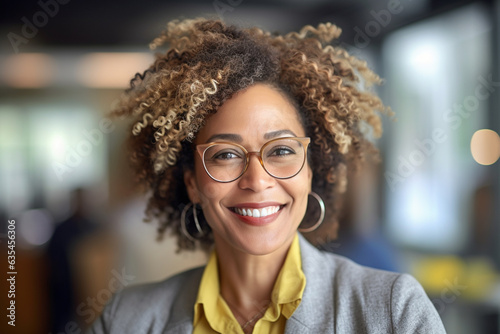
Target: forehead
(253, 113)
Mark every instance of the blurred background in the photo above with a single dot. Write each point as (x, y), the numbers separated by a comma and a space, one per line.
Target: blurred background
(431, 208)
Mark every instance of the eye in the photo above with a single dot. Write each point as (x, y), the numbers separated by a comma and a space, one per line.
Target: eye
(222, 154)
(281, 151)
(225, 156)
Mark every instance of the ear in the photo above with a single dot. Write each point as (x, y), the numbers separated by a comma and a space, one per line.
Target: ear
(191, 186)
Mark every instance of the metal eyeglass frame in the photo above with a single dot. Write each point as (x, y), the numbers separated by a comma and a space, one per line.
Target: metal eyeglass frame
(202, 148)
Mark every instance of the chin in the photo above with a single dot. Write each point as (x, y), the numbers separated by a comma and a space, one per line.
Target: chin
(264, 243)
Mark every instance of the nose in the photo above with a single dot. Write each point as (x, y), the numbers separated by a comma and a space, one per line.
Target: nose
(255, 177)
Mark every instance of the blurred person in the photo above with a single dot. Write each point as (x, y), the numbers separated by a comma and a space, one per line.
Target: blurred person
(243, 139)
(480, 255)
(482, 240)
(62, 246)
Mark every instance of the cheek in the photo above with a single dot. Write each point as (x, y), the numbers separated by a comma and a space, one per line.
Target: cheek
(209, 189)
(211, 193)
(305, 189)
(299, 190)
(304, 196)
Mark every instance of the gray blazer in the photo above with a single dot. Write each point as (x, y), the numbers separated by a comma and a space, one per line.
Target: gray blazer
(340, 297)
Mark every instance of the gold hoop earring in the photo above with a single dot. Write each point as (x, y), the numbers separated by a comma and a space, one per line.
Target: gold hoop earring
(321, 216)
(196, 222)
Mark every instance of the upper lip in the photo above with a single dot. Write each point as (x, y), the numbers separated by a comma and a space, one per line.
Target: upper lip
(257, 205)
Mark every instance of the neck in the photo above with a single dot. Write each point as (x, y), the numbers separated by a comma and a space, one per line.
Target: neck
(246, 280)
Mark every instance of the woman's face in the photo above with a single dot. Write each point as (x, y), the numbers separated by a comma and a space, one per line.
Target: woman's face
(251, 118)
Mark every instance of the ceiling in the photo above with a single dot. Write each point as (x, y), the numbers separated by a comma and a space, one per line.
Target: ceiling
(99, 24)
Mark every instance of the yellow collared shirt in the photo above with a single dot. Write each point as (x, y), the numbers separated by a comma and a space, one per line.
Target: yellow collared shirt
(213, 315)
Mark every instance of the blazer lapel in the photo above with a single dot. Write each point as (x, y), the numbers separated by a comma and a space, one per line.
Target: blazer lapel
(181, 320)
(315, 312)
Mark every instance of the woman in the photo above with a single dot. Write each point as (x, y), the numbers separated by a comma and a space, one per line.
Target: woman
(242, 137)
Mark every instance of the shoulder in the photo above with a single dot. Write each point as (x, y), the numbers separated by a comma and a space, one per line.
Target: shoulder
(349, 278)
(363, 286)
(388, 301)
(150, 305)
(366, 300)
(374, 287)
(348, 273)
(342, 272)
(158, 292)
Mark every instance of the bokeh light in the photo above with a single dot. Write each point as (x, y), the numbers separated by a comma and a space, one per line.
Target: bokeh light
(485, 146)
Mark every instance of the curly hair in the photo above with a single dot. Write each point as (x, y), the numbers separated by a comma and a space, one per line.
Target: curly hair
(205, 64)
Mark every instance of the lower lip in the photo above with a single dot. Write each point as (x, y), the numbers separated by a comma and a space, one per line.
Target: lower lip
(261, 221)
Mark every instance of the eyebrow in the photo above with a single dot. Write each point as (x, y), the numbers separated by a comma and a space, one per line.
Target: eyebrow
(279, 133)
(225, 136)
(238, 139)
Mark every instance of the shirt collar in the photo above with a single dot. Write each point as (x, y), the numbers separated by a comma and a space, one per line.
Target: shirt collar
(285, 297)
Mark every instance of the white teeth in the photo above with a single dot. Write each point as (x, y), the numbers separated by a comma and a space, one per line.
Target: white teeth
(257, 213)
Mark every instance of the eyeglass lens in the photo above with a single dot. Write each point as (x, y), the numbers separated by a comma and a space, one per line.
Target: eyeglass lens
(282, 158)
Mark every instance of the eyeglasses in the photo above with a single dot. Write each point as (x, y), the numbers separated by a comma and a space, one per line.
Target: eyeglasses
(282, 158)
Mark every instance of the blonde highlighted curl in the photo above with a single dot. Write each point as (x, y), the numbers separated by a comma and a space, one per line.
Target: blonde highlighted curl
(206, 63)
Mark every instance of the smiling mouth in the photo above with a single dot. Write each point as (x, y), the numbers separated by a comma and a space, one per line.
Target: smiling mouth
(257, 213)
